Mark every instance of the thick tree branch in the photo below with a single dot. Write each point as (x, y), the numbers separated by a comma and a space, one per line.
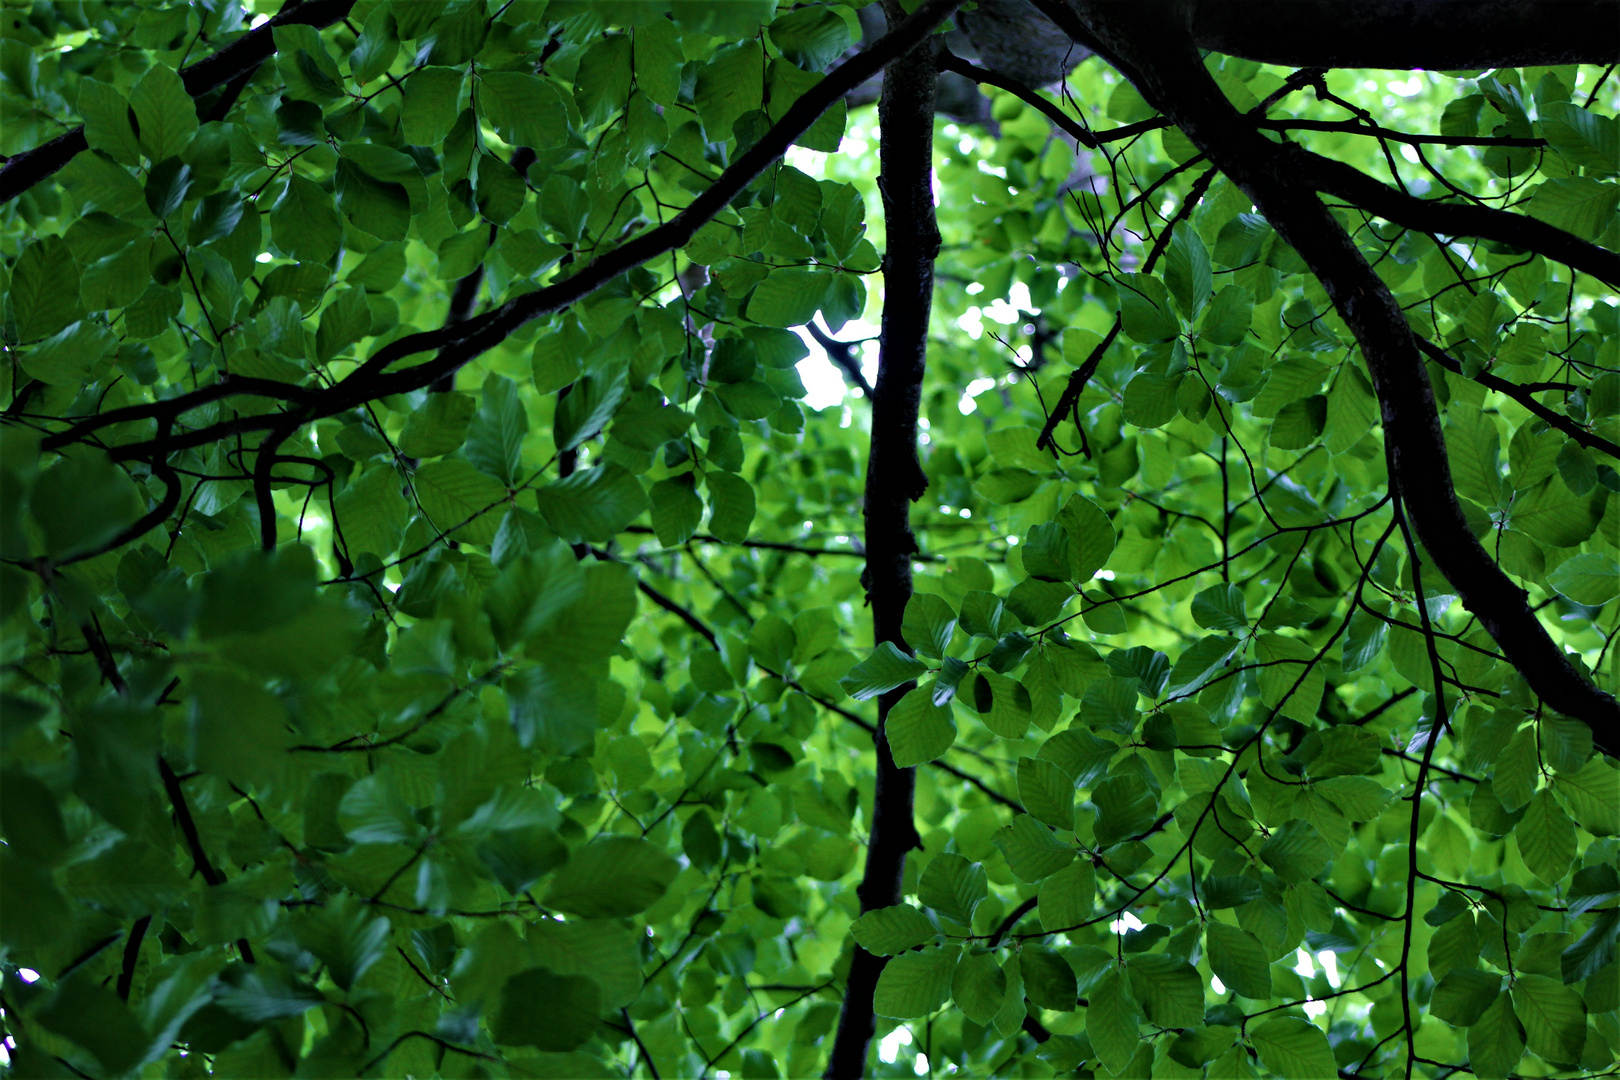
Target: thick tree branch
(458, 345)
(1436, 34)
(894, 479)
(1432, 216)
(1159, 57)
(841, 353)
(240, 57)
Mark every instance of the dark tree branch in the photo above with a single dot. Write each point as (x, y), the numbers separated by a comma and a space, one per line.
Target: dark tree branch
(460, 344)
(1436, 34)
(841, 353)
(1146, 44)
(242, 56)
(949, 61)
(188, 829)
(132, 954)
(1432, 216)
(894, 480)
(1525, 396)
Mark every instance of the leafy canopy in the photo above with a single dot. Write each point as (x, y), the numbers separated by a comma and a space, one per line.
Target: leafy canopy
(532, 746)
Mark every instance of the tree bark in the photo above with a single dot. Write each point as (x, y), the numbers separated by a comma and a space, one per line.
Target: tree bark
(894, 479)
(1146, 43)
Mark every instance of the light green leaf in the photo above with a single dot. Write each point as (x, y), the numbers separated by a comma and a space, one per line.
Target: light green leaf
(1591, 578)
(1113, 1022)
(886, 669)
(1554, 1017)
(790, 296)
(979, 986)
(953, 887)
(44, 288)
(612, 877)
(1239, 960)
(165, 112)
(918, 730)
(1496, 1041)
(524, 110)
(676, 510)
(928, 624)
(1576, 204)
(1046, 791)
(1461, 997)
(888, 931)
(593, 505)
(1091, 537)
(1031, 851)
(1591, 796)
(438, 427)
(731, 505)
(460, 501)
(1546, 838)
(1068, 897)
(1293, 1049)
(914, 984)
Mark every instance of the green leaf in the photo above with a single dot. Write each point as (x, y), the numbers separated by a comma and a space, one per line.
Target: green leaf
(548, 1011)
(44, 288)
(790, 296)
(523, 109)
(71, 356)
(1295, 851)
(1473, 446)
(95, 1018)
(1293, 1048)
(1595, 951)
(438, 427)
(1169, 989)
(1031, 851)
(676, 510)
(918, 730)
(928, 624)
(602, 81)
(1091, 537)
(1584, 137)
(1589, 795)
(1046, 791)
(728, 86)
(1150, 399)
(1554, 1017)
(1048, 979)
(1068, 897)
(82, 503)
(1496, 1041)
(1576, 204)
(979, 986)
(1221, 607)
(1125, 807)
(372, 513)
(106, 121)
(1546, 839)
(886, 669)
(1590, 578)
(459, 500)
(1113, 1022)
(1144, 308)
(1239, 960)
(889, 931)
(612, 877)
(1290, 682)
(593, 505)
(345, 935)
(953, 887)
(1463, 994)
(732, 505)
(587, 408)
(915, 983)
(1229, 315)
(812, 36)
(165, 112)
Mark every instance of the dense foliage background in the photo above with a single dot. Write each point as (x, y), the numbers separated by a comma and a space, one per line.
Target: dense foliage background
(514, 716)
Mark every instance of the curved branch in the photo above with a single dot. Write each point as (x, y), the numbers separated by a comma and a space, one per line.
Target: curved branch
(1525, 396)
(459, 344)
(241, 56)
(1432, 216)
(1167, 70)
